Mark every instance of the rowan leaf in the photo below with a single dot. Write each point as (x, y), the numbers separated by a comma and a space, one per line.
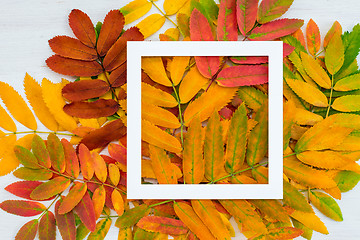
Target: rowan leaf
(351, 46)
(17, 107)
(204, 105)
(305, 117)
(47, 227)
(41, 153)
(114, 174)
(56, 152)
(135, 10)
(191, 85)
(85, 89)
(151, 24)
(34, 95)
(348, 83)
(159, 116)
(85, 211)
(101, 230)
(227, 28)
(118, 202)
(68, 47)
(307, 231)
(86, 162)
(26, 158)
(315, 71)
(82, 27)
(132, 216)
(177, 68)
(246, 14)
(272, 9)
(152, 95)
(313, 37)
(6, 121)
(243, 75)
(142, 234)
(335, 29)
(326, 204)
(193, 161)
(99, 166)
(348, 103)
(28, 231)
(32, 174)
(110, 31)
(258, 137)
(125, 234)
(51, 188)
(22, 208)
(65, 223)
(118, 152)
(334, 55)
(162, 225)
(252, 97)
(346, 180)
(171, 7)
(188, 216)
(23, 189)
(157, 137)
(310, 220)
(96, 109)
(74, 196)
(54, 101)
(275, 29)
(161, 164)
(98, 199)
(154, 67)
(307, 92)
(281, 233)
(71, 160)
(294, 199)
(271, 208)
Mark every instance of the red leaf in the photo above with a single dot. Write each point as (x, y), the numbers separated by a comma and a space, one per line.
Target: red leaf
(47, 227)
(246, 12)
(110, 31)
(56, 152)
(22, 208)
(117, 53)
(71, 159)
(23, 189)
(104, 135)
(96, 109)
(82, 27)
(227, 28)
(271, 9)
(288, 49)
(85, 89)
(86, 163)
(72, 67)
(85, 211)
(200, 30)
(72, 48)
(243, 76)
(73, 198)
(313, 37)
(276, 29)
(249, 60)
(65, 223)
(162, 225)
(28, 231)
(49, 189)
(118, 153)
(118, 76)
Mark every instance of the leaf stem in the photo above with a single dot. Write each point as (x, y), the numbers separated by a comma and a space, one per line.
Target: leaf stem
(47, 209)
(56, 133)
(290, 155)
(166, 16)
(330, 98)
(180, 113)
(160, 203)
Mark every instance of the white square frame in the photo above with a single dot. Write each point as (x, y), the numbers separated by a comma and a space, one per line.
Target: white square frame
(274, 188)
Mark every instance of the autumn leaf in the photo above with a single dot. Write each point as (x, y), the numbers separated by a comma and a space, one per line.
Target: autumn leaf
(334, 55)
(85, 211)
(73, 198)
(161, 164)
(335, 29)
(227, 27)
(65, 223)
(96, 109)
(151, 24)
(28, 231)
(22, 208)
(85, 89)
(135, 10)
(326, 205)
(162, 225)
(51, 188)
(313, 37)
(246, 14)
(272, 9)
(154, 67)
(47, 226)
(243, 75)
(101, 229)
(132, 216)
(23, 189)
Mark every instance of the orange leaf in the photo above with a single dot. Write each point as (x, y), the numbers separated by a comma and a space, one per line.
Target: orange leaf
(118, 202)
(65, 223)
(85, 211)
(47, 226)
(98, 200)
(85, 89)
(51, 188)
(28, 231)
(74, 196)
(313, 37)
(82, 27)
(114, 174)
(96, 109)
(164, 172)
(71, 159)
(99, 166)
(336, 29)
(162, 225)
(86, 162)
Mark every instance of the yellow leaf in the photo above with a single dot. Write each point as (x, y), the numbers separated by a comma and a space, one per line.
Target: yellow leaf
(173, 6)
(155, 136)
(159, 116)
(288, 121)
(17, 106)
(334, 54)
(8, 160)
(154, 67)
(345, 120)
(151, 24)
(34, 95)
(135, 10)
(118, 202)
(90, 122)
(125, 234)
(191, 85)
(147, 170)
(164, 172)
(156, 96)
(305, 117)
(307, 92)
(177, 68)
(315, 71)
(26, 141)
(348, 83)
(114, 174)
(207, 103)
(207, 212)
(272, 208)
(310, 220)
(350, 143)
(193, 162)
(348, 103)
(6, 121)
(173, 33)
(51, 93)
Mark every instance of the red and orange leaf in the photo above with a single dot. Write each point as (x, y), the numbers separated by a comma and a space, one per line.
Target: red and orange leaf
(118, 76)
(72, 48)
(110, 31)
(65, 223)
(82, 27)
(249, 60)
(23, 189)
(281, 233)
(246, 12)
(243, 75)
(271, 9)
(41, 153)
(98, 200)
(72, 67)
(276, 29)
(313, 37)
(28, 231)
(96, 109)
(71, 160)
(162, 225)
(85, 211)
(73, 198)
(299, 35)
(47, 227)
(200, 30)
(22, 208)
(49, 189)
(118, 152)
(86, 162)
(99, 166)
(85, 89)
(117, 53)
(118, 202)
(56, 152)
(227, 28)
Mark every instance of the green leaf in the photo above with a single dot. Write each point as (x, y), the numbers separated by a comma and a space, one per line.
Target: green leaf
(348, 83)
(347, 180)
(326, 204)
(39, 149)
(252, 97)
(334, 55)
(349, 103)
(26, 158)
(132, 216)
(293, 198)
(32, 174)
(272, 9)
(56, 152)
(307, 231)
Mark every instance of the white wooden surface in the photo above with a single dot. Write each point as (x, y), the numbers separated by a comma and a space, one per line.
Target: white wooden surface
(26, 26)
